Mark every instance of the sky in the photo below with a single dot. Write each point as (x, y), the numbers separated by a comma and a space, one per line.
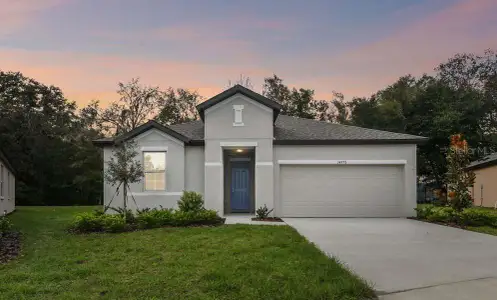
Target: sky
(355, 47)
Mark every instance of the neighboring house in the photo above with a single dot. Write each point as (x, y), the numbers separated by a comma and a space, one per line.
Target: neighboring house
(243, 154)
(7, 186)
(484, 189)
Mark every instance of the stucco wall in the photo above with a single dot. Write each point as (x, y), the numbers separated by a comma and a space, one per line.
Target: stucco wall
(485, 178)
(153, 140)
(256, 133)
(194, 169)
(8, 201)
(352, 152)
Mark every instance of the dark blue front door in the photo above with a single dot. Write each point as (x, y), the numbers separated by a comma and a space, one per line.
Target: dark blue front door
(240, 186)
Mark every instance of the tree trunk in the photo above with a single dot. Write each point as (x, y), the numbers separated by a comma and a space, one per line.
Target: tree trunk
(125, 195)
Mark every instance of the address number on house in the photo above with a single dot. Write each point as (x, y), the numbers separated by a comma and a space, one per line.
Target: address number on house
(341, 162)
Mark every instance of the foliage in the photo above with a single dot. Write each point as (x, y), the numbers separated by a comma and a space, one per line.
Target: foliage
(123, 169)
(473, 216)
(191, 212)
(459, 180)
(48, 144)
(263, 212)
(191, 202)
(244, 81)
(5, 225)
(207, 263)
(178, 106)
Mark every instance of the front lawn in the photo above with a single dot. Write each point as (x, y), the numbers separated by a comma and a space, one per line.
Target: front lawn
(227, 262)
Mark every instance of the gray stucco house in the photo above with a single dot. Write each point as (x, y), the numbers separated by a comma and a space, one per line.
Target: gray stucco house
(244, 154)
(7, 186)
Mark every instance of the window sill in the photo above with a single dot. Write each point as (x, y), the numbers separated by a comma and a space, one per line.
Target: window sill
(158, 193)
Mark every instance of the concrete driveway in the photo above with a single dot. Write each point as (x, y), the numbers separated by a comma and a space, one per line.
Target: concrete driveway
(405, 258)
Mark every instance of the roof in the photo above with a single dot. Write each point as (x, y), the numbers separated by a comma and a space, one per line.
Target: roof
(487, 161)
(238, 89)
(6, 162)
(139, 130)
(290, 131)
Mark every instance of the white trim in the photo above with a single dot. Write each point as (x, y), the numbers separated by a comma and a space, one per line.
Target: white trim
(238, 96)
(154, 148)
(342, 162)
(212, 164)
(238, 124)
(264, 163)
(238, 115)
(167, 136)
(238, 144)
(159, 193)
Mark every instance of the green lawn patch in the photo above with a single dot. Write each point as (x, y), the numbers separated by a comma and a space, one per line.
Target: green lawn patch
(225, 262)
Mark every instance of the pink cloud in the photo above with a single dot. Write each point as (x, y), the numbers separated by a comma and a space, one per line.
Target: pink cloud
(84, 77)
(467, 26)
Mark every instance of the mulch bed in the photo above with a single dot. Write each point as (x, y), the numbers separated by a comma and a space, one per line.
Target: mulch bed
(10, 246)
(268, 219)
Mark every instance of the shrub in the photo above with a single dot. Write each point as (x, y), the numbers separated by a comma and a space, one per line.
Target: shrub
(424, 211)
(191, 202)
(87, 222)
(5, 225)
(477, 217)
(126, 214)
(263, 212)
(442, 214)
(154, 218)
(114, 223)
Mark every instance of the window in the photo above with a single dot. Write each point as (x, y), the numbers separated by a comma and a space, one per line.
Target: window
(155, 171)
(8, 185)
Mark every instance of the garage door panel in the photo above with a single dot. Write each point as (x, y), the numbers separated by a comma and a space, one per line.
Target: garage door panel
(341, 191)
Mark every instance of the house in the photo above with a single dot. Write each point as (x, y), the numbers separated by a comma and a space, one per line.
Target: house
(244, 154)
(7, 186)
(484, 190)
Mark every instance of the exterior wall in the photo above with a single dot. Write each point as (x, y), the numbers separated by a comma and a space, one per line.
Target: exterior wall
(352, 152)
(8, 199)
(220, 133)
(485, 178)
(153, 140)
(194, 169)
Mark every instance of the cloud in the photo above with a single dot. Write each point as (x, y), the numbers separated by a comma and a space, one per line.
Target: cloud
(467, 26)
(15, 14)
(83, 77)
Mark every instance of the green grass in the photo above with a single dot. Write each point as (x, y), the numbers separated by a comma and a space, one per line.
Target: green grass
(227, 262)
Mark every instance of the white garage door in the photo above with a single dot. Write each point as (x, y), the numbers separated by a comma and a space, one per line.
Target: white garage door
(341, 190)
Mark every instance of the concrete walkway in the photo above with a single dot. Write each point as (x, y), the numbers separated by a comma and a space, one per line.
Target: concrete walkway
(407, 259)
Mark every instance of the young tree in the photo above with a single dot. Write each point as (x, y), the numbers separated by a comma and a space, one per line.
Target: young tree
(459, 180)
(123, 169)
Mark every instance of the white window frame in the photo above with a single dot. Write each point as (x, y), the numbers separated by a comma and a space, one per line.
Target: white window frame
(145, 172)
(8, 185)
(238, 115)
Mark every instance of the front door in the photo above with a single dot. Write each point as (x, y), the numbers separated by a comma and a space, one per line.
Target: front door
(240, 187)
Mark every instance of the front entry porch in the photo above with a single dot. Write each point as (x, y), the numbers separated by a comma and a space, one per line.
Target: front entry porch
(239, 180)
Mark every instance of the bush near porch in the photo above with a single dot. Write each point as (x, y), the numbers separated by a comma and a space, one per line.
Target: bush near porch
(470, 218)
(191, 212)
(224, 262)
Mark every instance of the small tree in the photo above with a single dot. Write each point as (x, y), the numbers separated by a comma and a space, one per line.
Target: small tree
(122, 170)
(459, 180)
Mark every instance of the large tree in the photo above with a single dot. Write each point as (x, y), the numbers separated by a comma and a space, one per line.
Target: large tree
(42, 135)
(178, 106)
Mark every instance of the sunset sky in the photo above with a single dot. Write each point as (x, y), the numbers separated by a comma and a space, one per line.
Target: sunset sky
(356, 47)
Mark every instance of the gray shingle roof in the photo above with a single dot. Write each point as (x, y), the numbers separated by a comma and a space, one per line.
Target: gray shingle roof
(486, 161)
(297, 129)
(292, 130)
